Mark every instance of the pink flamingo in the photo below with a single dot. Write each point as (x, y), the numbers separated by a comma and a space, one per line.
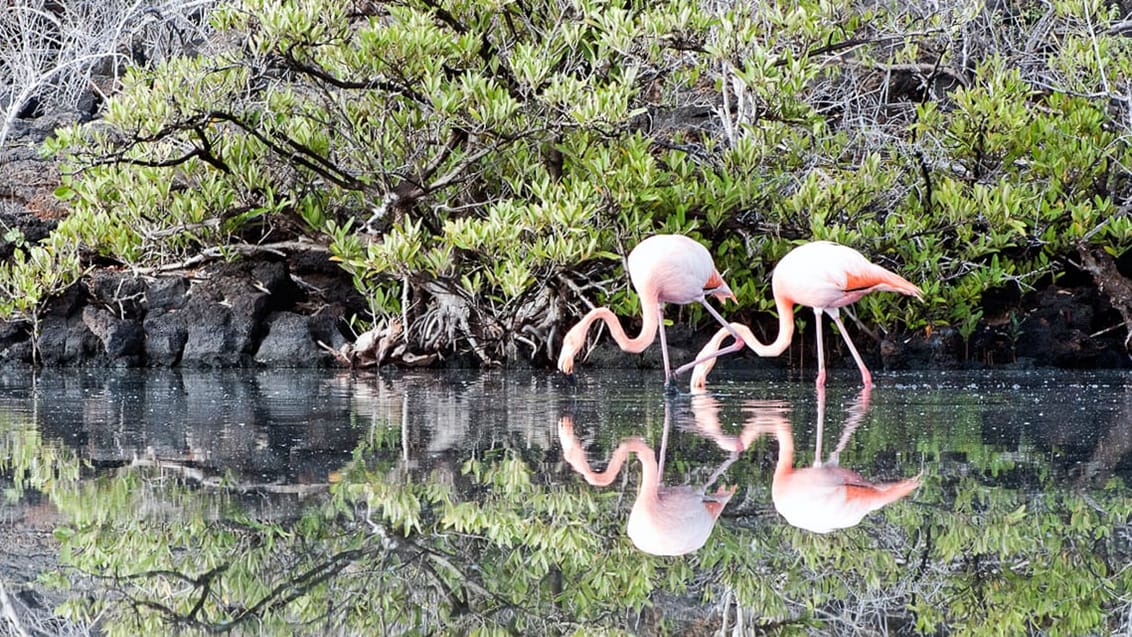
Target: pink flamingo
(826, 497)
(664, 268)
(823, 275)
(665, 520)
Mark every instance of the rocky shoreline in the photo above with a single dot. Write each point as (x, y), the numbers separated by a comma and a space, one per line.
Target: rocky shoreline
(289, 306)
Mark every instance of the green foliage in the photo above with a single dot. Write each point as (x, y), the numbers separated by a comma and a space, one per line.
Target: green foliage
(34, 274)
(476, 166)
(502, 543)
(536, 548)
(1016, 560)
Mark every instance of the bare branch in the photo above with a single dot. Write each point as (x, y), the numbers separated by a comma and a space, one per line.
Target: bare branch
(51, 49)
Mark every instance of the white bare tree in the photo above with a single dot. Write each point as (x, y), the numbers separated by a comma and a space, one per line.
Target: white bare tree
(51, 49)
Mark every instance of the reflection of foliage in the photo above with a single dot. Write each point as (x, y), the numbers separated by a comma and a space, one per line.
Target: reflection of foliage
(1001, 562)
(1054, 562)
(501, 547)
(167, 555)
(378, 557)
(32, 463)
(523, 555)
(338, 568)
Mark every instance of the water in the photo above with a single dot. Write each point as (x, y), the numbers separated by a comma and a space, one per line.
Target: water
(324, 502)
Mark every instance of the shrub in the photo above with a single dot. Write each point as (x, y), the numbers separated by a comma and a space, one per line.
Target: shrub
(476, 168)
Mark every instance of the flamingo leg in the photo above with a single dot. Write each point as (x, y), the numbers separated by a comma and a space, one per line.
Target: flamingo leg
(821, 350)
(734, 347)
(663, 344)
(866, 377)
(856, 413)
(820, 427)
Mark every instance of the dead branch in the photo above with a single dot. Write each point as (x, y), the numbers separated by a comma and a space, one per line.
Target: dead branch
(280, 248)
(1102, 268)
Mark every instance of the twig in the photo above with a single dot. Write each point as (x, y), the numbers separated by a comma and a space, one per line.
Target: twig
(9, 612)
(244, 249)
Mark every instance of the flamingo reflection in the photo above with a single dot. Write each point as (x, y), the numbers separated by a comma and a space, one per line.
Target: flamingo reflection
(665, 520)
(826, 496)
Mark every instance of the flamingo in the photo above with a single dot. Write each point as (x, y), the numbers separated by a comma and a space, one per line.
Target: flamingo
(826, 497)
(822, 275)
(664, 268)
(665, 520)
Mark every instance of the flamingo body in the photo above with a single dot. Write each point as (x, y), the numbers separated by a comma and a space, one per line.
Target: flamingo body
(664, 520)
(674, 520)
(665, 268)
(672, 268)
(825, 276)
(822, 275)
(825, 498)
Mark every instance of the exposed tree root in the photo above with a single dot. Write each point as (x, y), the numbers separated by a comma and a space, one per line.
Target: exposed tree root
(1116, 287)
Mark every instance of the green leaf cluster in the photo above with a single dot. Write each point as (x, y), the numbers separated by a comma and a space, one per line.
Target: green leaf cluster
(476, 166)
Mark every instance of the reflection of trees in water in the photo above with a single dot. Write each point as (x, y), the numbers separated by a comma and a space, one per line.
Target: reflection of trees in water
(1113, 452)
(496, 538)
(534, 556)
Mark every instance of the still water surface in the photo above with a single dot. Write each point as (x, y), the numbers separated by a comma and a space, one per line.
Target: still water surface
(315, 502)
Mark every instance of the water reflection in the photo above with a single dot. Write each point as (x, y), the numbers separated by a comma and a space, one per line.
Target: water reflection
(443, 504)
(273, 428)
(665, 520)
(825, 496)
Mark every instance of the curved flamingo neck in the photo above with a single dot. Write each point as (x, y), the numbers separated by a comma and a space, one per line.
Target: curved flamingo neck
(650, 473)
(785, 464)
(707, 357)
(785, 308)
(650, 470)
(650, 322)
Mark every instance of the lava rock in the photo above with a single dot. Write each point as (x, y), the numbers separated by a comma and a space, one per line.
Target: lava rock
(291, 341)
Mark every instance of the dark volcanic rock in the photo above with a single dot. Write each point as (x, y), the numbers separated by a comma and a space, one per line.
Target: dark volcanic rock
(15, 342)
(218, 337)
(222, 317)
(292, 341)
(1065, 329)
(123, 340)
(66, 340)
(229, 315)
(123, 292)
(167, 293)
(165, 338)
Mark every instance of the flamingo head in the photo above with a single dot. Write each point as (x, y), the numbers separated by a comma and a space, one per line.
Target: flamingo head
(718, 288)
(714, 502)
(571, 344)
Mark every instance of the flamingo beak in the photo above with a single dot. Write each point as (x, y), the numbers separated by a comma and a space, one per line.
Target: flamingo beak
(722, 494)
(717, 287)
(724, 293)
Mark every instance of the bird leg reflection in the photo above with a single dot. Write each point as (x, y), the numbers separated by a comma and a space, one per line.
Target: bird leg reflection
(825, 497)
(665, 520)
(855, 415)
